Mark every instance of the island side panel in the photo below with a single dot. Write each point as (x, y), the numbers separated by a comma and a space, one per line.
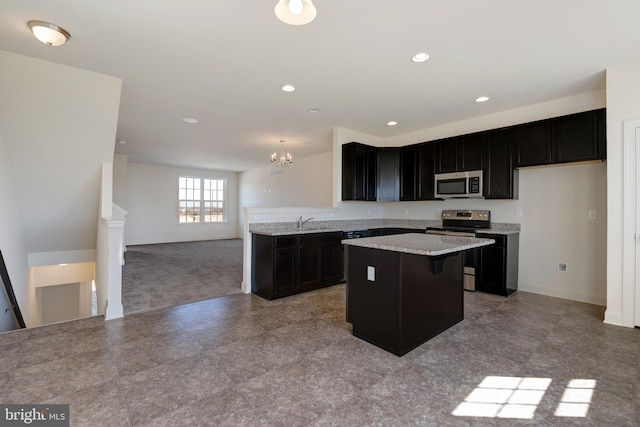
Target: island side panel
(432, 297)
(374, 306)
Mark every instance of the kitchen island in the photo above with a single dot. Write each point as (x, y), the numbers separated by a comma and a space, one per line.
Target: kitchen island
(404, 289)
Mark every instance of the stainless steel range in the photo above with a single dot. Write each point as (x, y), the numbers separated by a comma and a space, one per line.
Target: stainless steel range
(464, 223)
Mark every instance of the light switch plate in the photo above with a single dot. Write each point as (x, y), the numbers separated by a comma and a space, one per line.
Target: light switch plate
(371, 273)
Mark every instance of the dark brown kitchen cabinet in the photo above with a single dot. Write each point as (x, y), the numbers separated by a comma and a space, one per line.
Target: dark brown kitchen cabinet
(388, 175)
(288, 265)
(446, 159)
(417, 168)
(534, 143)
(425, 171)
(571, 138)
(497, 270)
(310, 259)
(471, 152)
(500, 178)
(580, 137)
(284, 255)
(359, 171)
(332, 256)
(408, 173)
(463, 153)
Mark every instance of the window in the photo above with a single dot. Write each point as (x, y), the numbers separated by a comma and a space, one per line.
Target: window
(201, 199)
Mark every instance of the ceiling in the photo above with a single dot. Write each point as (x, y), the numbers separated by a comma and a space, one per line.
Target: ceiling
(223, 62)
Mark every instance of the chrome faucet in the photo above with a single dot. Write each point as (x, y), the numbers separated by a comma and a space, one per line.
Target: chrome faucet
(301, 222)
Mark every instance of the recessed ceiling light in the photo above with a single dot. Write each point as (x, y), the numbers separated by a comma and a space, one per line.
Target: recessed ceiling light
(288, 88)
(482, 99)
(190, 120)
(122, 141)
(314, 110)
(420, 57)
(392, 123)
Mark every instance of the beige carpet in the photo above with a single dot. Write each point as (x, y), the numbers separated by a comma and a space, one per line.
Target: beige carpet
(169, 274)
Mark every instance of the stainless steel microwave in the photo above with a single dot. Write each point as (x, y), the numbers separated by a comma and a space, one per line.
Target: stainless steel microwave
(459, 185)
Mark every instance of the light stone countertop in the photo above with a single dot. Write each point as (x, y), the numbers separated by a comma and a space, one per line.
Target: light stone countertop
(420, 244)
(289, 228)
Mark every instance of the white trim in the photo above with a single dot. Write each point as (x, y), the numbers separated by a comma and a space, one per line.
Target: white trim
(626, 316)
(39, 259)
(115, 312)
(632, 135)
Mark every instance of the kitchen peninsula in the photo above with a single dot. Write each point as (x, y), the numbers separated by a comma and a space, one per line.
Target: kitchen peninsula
(404, 289)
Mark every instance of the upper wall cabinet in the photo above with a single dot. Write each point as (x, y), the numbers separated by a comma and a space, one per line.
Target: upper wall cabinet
(573, 138)
(533, 143)
(388, 174)
(417, 168)
(425, 171)
(447, 155)
(500, 178)
(408, 172)
(359, 172)
(471, 153)
(459, 154)
(580, 137)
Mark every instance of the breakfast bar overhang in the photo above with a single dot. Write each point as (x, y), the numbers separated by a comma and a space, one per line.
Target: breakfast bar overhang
(404, 289)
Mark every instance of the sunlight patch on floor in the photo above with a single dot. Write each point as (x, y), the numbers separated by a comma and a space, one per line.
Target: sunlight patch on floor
(518, 397)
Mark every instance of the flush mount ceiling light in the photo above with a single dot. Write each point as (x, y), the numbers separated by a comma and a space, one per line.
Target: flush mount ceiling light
(48, 33)
(295, 12)
(283, 160)
(482, 99)
(420, 57)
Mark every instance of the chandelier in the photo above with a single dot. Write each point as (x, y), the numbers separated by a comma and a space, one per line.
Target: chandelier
(283, 160)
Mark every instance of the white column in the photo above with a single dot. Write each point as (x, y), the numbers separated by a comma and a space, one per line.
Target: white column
(109, 267)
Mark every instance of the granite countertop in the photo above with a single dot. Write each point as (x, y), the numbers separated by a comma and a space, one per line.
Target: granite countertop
(420, 244)
(289, 228)
(504, 231)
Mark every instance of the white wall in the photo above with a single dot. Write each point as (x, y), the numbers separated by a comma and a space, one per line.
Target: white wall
(623, 103)
(153, 206)
(120, 193)
(59, 303)
(12, 240)
(303, 183)
(59, 126)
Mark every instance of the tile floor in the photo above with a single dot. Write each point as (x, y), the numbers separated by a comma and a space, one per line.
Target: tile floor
(239, 360)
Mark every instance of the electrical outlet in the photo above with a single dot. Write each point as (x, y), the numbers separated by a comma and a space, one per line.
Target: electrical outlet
(519, 213)
(371, 273)
(562, 266)
(592, 214)
(406, 212)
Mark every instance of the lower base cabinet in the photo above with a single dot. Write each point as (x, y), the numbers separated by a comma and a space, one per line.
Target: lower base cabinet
(497, 271)
(291, 264)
